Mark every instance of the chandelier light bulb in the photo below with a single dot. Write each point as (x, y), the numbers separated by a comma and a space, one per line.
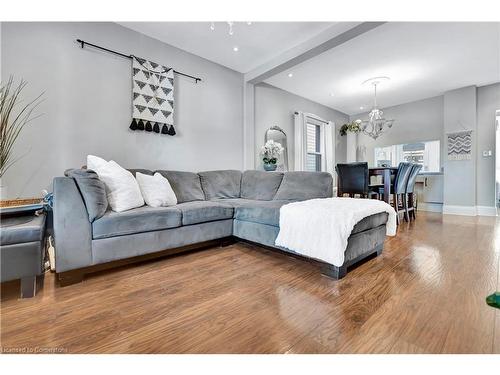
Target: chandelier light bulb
(212, 26)
(230, 23)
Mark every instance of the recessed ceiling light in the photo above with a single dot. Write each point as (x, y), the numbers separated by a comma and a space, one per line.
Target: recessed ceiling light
(332, 94)
(235, 49)
(249, 23)
(290, 75)
(360, 107)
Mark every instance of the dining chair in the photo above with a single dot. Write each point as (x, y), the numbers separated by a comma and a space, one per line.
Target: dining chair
(398, 189)
(411, 198)
(352, 179)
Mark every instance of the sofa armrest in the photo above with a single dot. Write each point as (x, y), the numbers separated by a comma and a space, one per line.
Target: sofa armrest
(72, 228)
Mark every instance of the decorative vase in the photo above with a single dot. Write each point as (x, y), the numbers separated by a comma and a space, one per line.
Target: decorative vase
(270, 167)
(351, 146)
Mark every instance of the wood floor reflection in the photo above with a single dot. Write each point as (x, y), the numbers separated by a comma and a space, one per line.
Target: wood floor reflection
(424, 294)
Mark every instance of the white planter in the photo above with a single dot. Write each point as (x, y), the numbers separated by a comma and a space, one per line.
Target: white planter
(352, 145)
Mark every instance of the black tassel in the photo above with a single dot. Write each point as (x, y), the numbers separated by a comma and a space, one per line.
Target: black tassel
(171, 131)
(149, 128)
(133, 125)
(164, 129)
(140, 125)
(156, 128)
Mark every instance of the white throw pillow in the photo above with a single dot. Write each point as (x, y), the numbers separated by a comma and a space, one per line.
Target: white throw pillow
(156, 190)
(121, 187)
(95, 162)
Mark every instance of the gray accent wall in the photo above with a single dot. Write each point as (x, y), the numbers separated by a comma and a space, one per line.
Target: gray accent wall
(274, 106)
(87, 107)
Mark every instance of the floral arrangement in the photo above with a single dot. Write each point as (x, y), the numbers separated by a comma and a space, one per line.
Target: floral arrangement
(353, 127)
(271, 151)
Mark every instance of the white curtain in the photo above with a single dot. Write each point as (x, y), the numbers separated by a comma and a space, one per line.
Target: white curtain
(300, 142)
(299, 153)
(329, 130)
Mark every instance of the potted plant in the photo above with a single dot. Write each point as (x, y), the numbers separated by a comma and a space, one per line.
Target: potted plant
(351, 130)
(352, 127)
(270, 153)
(14, 116)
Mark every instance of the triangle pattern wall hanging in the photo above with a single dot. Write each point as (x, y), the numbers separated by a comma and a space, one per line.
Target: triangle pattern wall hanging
(152, 88)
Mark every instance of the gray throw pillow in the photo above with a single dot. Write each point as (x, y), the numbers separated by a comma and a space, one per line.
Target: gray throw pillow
(92, 190)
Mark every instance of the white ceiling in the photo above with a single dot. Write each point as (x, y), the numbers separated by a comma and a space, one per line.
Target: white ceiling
(257, 43)
(422, 60)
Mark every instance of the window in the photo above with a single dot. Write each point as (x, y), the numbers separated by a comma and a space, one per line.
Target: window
(314, 141)
(426, 154)
(314, 154)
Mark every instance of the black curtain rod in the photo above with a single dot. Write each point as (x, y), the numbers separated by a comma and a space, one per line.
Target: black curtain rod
(83, 43)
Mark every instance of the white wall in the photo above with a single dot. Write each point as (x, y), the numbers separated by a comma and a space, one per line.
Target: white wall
(87, 108)
(274, 106)
(416, 121)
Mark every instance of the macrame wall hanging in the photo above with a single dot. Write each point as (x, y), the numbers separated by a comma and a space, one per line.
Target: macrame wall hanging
(152, 97)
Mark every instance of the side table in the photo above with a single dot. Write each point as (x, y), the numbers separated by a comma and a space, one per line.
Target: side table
(22, 249)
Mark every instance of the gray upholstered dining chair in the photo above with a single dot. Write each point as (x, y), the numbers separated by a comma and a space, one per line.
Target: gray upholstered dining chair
(411, 198)
(398, 189)
(353, 179)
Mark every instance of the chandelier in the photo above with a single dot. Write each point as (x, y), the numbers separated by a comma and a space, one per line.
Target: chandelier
(376, 123)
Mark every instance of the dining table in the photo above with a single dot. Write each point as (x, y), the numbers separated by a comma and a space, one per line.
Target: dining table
(387, 173)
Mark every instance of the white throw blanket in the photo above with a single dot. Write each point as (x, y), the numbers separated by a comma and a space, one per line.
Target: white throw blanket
(319, 228)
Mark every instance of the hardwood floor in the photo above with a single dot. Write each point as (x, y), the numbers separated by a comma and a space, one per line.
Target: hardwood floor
(424, 294)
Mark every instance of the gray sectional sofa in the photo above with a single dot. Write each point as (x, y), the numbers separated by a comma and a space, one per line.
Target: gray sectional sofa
(213, 206)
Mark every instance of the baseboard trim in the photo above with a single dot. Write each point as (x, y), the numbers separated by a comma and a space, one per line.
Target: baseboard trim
(486, 211)
(469, 210)
(459, 210)
(430, 207)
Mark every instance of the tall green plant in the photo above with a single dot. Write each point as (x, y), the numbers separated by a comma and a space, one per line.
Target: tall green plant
(14, 116)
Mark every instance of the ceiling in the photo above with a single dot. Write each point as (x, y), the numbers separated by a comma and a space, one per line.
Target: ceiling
(422, 60)
(257, 43)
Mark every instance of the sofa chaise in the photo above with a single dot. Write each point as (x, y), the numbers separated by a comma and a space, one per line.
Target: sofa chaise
(213, 207)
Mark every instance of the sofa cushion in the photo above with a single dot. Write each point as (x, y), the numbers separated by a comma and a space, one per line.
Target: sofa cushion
(203, 211)
(137, 220)
(186, 185)
(221, 184)
(22, 229)
(262, 212)
(260, 185)
(305, 185)
(370, 222)
(93, 191)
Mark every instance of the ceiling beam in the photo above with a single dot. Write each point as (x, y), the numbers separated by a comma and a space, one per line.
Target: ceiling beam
(283, 62)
